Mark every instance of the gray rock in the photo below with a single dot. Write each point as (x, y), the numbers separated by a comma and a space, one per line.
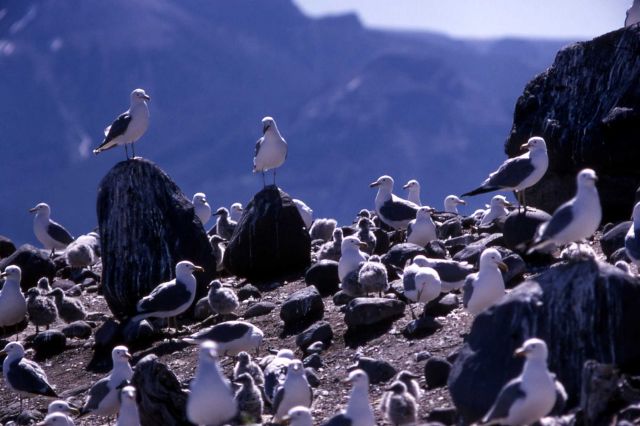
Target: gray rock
(451, 228)
(620, 254)
(108, 334)
(248, 291)
(364, 311)
(303, 305)
(77, 330)
(378, 370)
(454, 245)
(139, 334)
(142, 212)
(472, 252)
(341, 298)
(603, 314)
(442, 306)
(34, 263)
(7, 248)
(320, 331)
(436, 372)
(312, 377)
(313, 361)
(259, 309)
(382, 241)
(324, 276)
(421, 327)
(49, 343)
(400, 253)
(436, 250)
(445, 415)
(202, 310)
(517, 267)
(520, 228)
(270, 241)
(614, 239)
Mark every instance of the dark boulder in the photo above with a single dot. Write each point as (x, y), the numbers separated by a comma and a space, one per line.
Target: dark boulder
(49, 343)
(249, 291)
(520, 227)
(365, 311)
(270, 241)
(6, 247)
(450, 229)
(400, 253)
(454, 245)
(436, 372)
(324, 276)
(318, 332)
(378, 370)
(34, 263)
(147, 225)
(341, 298)
(613, 239)
(77, 330)
(302, 306)
(586, 107)
(421, 327)
(259, 309)
(442, 306)
(436, 250)
(601, 324)
(382, 241)
(472, 252)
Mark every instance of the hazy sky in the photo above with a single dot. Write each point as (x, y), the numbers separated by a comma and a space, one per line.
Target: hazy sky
(574, 19)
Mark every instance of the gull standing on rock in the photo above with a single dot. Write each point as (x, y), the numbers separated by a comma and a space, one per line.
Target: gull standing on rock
(51, 234)
(23, 376)
(224, 225)
(201, 207)
(632, 239)
(271, 149)
(451, 203)
(530, 396)
(13, 305)
(170, 299)
(103, 398)
(391, 209)
(211, 400)
(486, 287)
(518, 173)
(295, 391)
(359, 411)
(420, 284)
(413, 191)
(422, 229)
(497, 209)
(576, 219)
(350, 257)
(235, 212)
(129, 126)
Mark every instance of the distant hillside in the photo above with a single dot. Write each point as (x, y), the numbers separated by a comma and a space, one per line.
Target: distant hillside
(352, 102)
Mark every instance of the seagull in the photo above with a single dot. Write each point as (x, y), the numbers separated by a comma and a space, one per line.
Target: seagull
(306, 212)
(103, 398)
(170, 299)
(129, 126)
(211, 400)
(83, 251)
(632, 239)
(422, 230)
(13, 306)
(235, 211)
(420, 284)
(70, 309)
(219, 246)
(62, 406)
(486, 287)
(275, 372)
(322, 229)
(400, 407)
(23, 376)
(451, 203)
(295, 391)
(350, 257)
(271, 149)
(372, 276)
(201, 207)
(249, 399)
(518, 173)
(365, 234)
(128, 414)
(43, 285)
(56, 419)
(452, 273)
(497, 209)
(223, 301)
(300, 416)
(332, 250)
(224, 225)
(230, 337)
(413, 191)
(391, 209)
(359, 411)
(41, 309)
(410, 381)
(51, 234)
(530, 396)
(246, 365)
(576, 219)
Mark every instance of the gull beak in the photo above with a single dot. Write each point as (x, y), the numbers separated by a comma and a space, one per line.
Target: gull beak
(2, 275)
(347, 380)
(363, 245)
(595, 178)
(502, 266)
(524, 146)
(406, 186)
(520, 353)
(460, 201)
(431, 210)
(508, 204)
(147, 97)
(74, 411)
(3, 352)
(127, 355)
(33, 210)
(198, 268)
(374, 184)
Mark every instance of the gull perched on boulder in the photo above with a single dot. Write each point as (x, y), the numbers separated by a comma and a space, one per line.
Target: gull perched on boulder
(201, 207)
(576, 219)
(129, 126)
(51, 234)
(497, 209)
(271, 149)
(518, 173)
(391, 209)
(530, 396)
(485, 287)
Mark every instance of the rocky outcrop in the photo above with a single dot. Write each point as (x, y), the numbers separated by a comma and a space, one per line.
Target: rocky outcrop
(147, 225)
(587, 107)
(34, 264)
(270, 241)
(583, 310)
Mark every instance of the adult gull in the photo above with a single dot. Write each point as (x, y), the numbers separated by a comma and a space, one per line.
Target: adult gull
(485, 287)
(13, 305)
(230, 337)
(451, 203)
(497, 209)
(295, 391)
(271, 149)
(391, 209)
(359, 411)
(350, 257)
(422, 229)
(51, 234)
(23, 376)
(452, 273)
(103, 398)
(413, 191)
(201, 207)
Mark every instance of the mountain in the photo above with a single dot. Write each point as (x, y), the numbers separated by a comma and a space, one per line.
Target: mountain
(352, 102)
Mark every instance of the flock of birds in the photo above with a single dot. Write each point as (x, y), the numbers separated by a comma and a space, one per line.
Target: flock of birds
(280, 380)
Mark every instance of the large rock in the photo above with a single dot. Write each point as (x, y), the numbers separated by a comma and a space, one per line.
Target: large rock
(583, 310)
(302, 306)
(34, 264)
(587, 107)
(324, 276)
(147, 225)
(400, 253)
(365, 311)
(613, 239)
(472, 252)
(270, 241)
(520, 227)
(6, 247)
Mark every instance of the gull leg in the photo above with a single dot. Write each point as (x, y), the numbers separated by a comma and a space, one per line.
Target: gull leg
(126, 151)
(133, 152)
(413, 315)
(264, 183)
(274, 177)
(524, 200)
